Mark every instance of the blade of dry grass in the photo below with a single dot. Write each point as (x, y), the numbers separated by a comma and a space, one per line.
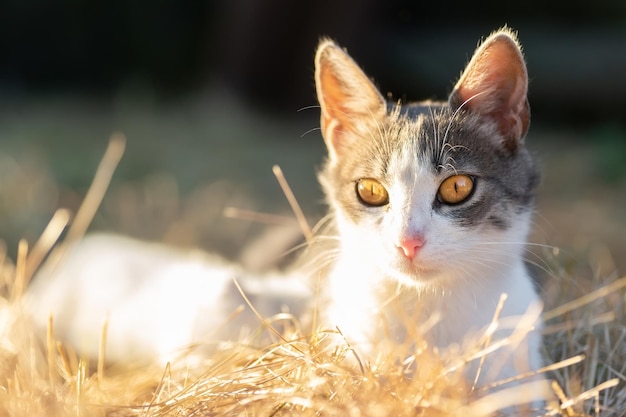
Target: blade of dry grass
(21, 279)
(586, 299)
(46, 241)
(98, 187)
(293, 202)
(266, 218)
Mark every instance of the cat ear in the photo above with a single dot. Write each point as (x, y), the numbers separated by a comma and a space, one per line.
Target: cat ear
(495, 84)
(348, 99)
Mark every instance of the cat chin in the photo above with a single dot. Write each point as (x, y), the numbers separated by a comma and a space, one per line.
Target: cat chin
(415, 276)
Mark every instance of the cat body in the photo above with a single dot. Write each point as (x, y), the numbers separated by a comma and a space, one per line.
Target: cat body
(430, 205)
(156, 300)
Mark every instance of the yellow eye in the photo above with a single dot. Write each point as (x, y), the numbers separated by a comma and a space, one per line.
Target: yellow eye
(455, 189)
(371, 192)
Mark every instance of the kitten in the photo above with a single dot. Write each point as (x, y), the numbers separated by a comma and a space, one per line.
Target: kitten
(431, 203)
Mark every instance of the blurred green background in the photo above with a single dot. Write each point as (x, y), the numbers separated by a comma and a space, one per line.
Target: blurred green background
(211, 94)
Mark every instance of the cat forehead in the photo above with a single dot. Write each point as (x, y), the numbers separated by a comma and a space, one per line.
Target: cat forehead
(434, 138)
(408, 170)
(423, 137)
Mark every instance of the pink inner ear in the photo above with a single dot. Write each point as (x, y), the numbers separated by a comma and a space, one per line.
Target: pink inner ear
(348, 99)
(495, 85)
(332, 98)
(492, 86)
(332, 131)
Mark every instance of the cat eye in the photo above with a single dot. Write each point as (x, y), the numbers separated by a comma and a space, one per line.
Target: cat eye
(371, 192)
(455, 189)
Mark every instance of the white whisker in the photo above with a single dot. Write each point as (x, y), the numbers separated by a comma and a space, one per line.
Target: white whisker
(310, 107)
(314, 129)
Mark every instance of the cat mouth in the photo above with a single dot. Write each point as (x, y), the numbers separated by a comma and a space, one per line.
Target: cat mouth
(424, 274)
(414, 271)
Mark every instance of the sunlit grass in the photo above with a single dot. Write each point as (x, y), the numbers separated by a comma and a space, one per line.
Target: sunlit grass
(309, 373)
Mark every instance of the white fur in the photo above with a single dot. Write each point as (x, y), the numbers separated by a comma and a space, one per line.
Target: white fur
(156, 299)
(460, 272)
(459, 276)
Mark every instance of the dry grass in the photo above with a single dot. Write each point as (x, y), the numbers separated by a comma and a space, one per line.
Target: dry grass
(304, 374)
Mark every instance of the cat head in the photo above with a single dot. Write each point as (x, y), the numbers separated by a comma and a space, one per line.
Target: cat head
(434, 189)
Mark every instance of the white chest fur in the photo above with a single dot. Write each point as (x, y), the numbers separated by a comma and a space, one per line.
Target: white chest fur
(371, 309)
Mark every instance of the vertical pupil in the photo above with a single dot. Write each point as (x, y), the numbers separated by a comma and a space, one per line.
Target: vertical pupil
(456, 189)
(371, 192)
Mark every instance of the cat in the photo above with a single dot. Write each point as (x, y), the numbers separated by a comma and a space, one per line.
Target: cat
(430, 205)
(432, 201)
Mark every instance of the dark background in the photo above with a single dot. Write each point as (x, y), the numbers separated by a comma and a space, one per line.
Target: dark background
(209, 94)
(262, 49)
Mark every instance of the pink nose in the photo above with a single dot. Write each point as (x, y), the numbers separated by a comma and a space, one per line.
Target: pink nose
(411, 246)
